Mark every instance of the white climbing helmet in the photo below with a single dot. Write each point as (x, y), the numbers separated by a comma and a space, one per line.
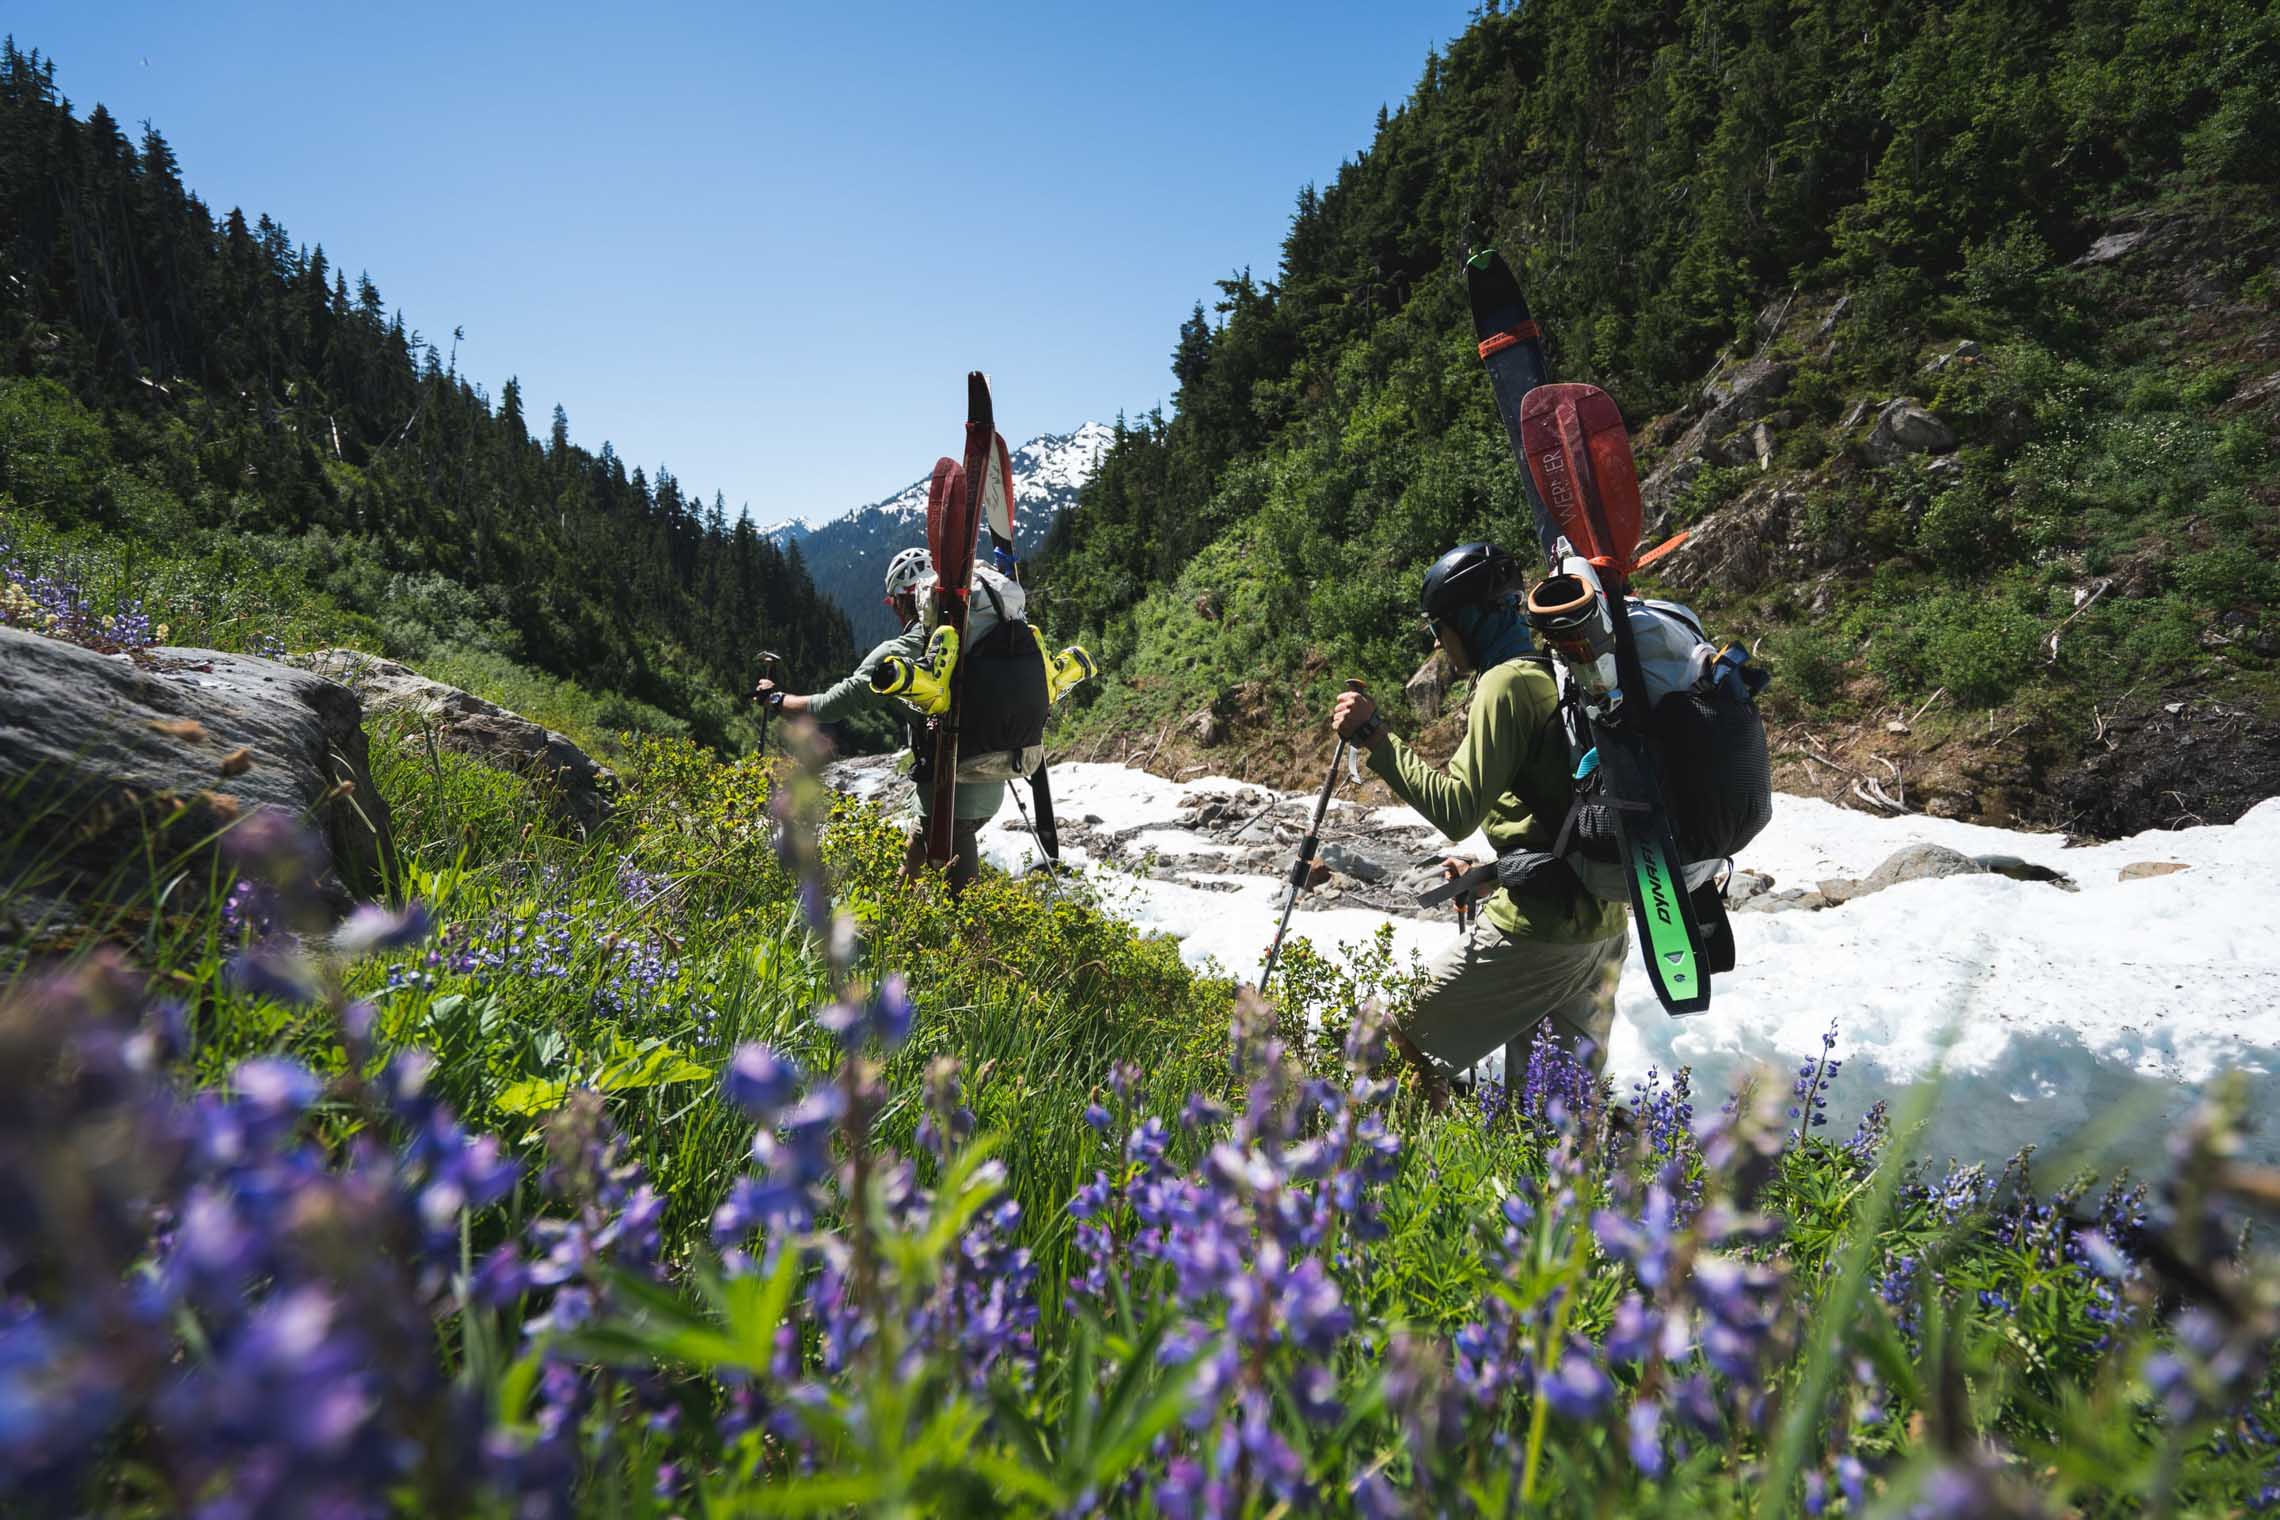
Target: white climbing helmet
(908, 571)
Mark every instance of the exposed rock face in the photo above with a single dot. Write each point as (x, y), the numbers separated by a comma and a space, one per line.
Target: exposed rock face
(1428, 690)
(1729, 402)
(466, 724)
(1746, 544)
(1902, 428)
(125, 768)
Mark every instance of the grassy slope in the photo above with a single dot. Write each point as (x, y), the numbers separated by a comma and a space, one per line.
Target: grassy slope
(635, 961)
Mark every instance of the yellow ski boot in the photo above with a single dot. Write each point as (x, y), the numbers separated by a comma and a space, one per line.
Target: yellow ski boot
(925, 682)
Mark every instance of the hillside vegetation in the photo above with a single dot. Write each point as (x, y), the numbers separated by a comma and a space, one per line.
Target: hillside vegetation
(198, 414)
(1850, 189)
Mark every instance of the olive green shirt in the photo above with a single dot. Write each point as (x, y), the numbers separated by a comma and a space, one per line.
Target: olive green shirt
(1509, 778)
(976, 799)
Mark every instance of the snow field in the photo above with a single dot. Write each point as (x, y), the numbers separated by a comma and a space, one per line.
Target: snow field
(2112, 1006)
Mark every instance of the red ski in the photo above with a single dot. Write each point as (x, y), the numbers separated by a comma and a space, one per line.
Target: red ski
(954, 507)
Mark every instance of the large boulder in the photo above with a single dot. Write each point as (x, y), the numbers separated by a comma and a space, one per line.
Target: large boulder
(459, 721)
(1749, 543)
(118, 772)
(1917, 862)
(1903, 427)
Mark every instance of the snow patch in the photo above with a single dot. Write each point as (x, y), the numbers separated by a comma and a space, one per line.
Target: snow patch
(2056, 1010)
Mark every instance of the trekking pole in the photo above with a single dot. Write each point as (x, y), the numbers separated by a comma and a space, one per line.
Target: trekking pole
(1301, 867)
(768, 662)
(1015, 793)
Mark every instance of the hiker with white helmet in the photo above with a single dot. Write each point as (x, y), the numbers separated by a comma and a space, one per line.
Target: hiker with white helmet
(909, 579)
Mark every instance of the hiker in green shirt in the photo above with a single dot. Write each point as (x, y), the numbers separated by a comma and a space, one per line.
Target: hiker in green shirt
(1553, 954)
(909, 576)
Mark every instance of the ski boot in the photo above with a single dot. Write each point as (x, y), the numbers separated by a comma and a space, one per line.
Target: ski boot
(925, 682)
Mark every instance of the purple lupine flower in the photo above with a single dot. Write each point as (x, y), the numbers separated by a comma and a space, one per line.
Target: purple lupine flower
(274, 1091)
(373, 927)
(760, 1082)
(1642, 1426)
(1632, 1336)
(1376, 1499)
(1576, 1386)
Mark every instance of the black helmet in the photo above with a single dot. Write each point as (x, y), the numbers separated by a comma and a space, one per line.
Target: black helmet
(1468, 576)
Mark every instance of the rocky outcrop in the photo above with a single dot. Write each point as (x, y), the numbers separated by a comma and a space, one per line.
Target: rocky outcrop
(1903, 427)
(1747, 544)
(465, 724)
(1729, 403)
(118, 773)
(1428, 689)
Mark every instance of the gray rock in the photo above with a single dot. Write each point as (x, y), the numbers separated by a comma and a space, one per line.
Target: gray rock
(1747, 885)
(2145, 870)
(2112, 246)
(1902, 428)
(1428, 690)
(1791, 899)
(126, 768)
(2257, 390)
(1728, 402)
(1965, 350)
(465, 724)
(1352, 862)
(1918, 862)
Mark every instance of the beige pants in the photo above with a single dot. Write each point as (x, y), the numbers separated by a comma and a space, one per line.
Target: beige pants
(1491, 989)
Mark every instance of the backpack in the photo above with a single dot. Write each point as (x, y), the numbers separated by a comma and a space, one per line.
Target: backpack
(1002, 716)
(1709, 746)
(1011, 680)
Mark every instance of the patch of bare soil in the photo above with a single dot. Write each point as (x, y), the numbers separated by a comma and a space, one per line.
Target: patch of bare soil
(2167, 763)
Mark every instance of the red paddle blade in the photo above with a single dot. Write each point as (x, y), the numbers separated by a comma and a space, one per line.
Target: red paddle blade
(1580, 457)
(997, 491)
(949, 522)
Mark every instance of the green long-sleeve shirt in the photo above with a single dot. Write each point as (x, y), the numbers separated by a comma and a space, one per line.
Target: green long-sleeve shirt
(976, 799)
(1509, 778)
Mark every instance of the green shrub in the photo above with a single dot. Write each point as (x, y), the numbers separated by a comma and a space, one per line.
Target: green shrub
(1963, 529)
(2232, 575)
(1979, 646)
(1810, 663)
(2009, 273)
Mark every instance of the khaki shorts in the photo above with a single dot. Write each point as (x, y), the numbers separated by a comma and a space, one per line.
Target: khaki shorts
(1491, 988)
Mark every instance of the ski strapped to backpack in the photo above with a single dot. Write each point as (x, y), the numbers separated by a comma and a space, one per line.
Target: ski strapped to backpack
(1670, 772)
(986, 678)
(952, 503)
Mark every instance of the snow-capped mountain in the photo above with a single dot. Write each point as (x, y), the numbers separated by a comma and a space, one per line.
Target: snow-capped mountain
(847, 555)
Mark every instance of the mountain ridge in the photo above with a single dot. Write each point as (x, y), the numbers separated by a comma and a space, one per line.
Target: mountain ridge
(845, 554)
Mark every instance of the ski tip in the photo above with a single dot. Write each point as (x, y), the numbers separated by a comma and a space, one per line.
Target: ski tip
(977, 396)
(1497, 305)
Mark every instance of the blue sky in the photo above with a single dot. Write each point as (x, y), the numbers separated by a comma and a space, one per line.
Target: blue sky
(762, 244)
